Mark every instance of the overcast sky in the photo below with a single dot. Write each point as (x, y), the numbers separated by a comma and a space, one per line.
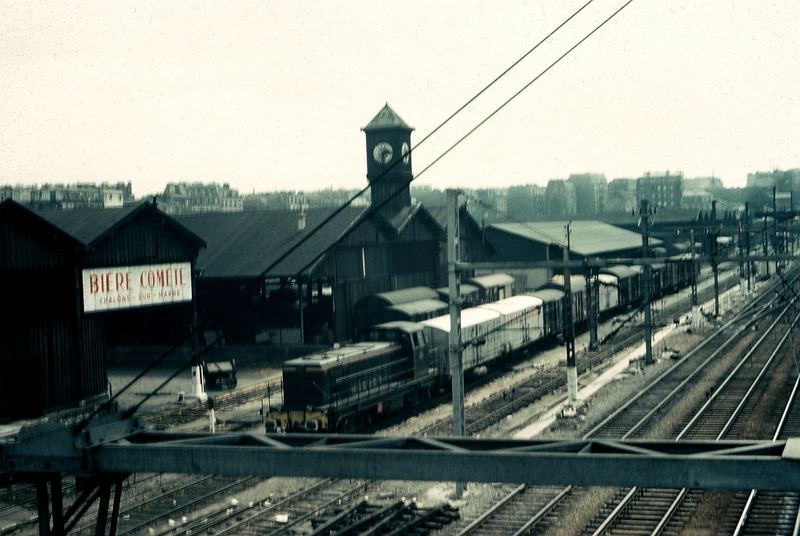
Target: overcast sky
(272, 95)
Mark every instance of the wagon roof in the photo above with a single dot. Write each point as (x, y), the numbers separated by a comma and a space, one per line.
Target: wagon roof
(548, 294)
(419, 307)
(469, 317)
(514, 304)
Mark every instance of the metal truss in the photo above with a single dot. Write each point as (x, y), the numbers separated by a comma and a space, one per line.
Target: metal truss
(109, 450)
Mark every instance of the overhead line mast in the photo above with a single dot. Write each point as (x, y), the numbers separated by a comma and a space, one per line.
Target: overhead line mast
(569, 325)
(644, 213)
(454, 339)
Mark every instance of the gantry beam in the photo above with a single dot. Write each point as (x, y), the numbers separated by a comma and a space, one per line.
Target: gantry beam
(594, 262)
(728, 465)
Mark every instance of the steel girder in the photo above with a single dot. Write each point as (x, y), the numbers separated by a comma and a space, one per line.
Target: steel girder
(731, 465)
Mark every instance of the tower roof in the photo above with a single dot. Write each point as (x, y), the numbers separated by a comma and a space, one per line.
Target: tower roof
(386, 119)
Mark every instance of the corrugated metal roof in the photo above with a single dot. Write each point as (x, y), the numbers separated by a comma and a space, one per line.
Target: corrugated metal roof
(588, 237)
(244, 244)
(386, 118)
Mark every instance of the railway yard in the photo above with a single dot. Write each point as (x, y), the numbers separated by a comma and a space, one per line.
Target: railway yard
(733, 378)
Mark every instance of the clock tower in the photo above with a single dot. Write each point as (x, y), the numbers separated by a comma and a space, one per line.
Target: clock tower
(389, 161)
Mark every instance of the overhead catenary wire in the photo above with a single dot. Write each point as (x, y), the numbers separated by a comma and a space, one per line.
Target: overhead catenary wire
(373, 209)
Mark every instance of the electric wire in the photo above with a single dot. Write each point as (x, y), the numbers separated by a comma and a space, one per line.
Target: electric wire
(372, 210)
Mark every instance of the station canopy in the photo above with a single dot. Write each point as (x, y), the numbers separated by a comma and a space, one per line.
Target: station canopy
(589, 237)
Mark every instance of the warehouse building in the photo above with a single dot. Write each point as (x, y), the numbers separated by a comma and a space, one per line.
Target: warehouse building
(74, 284)
(544, 241)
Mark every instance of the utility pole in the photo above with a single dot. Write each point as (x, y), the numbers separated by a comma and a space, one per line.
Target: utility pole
(775, 226)
(715, 268)
(766, 243)
(748, 265)
(569, 327)
(454, 287)
(644, 213)
(693, 277)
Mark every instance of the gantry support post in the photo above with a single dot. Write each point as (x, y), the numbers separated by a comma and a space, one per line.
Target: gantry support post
(766, 244)
(775, 227)
(102, 511)
(715, 269)
(644, 213)
(43, 506)
(569, 326)
(592, 297)
(454, 284)
(748, 264)
(693, 275)
(56, 503)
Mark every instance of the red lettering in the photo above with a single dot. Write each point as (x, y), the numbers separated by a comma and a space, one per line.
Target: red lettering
(107, 281)
(119, 279)
(93, 286)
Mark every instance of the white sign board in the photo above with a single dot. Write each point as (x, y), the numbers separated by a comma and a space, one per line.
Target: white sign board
(126, 287)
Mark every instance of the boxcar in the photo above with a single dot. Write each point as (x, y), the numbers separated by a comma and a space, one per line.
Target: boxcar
(493, 287)
(368, 308)
(552, 310)
(481, 331)
(521, 320)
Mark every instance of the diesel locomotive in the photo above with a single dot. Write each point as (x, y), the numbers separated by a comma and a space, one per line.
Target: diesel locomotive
(399, 363)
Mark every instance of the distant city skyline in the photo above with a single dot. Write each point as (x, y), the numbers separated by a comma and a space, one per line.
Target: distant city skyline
(268, 96)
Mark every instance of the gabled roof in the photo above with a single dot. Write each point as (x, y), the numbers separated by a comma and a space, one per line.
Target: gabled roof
(439, 213)
(400, 219)
(587, 237)
(15, 210)
(87, 226)
(386, 119)
(244, 244)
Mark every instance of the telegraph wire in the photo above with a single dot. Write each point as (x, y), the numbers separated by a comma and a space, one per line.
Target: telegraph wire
(371, 211)
(521, 90)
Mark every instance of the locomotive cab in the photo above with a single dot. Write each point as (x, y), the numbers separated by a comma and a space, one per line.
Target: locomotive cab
(411, 338)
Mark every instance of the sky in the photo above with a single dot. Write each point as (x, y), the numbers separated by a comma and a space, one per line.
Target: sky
(271, 95)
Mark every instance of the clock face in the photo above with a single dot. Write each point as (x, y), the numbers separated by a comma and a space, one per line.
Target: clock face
(404, 150)
(382, 153)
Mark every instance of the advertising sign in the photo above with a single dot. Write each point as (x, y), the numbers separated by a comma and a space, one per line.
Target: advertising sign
(127, 287)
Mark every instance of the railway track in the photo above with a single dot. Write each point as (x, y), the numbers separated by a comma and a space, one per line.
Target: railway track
(494, 408)
(768, 512)
(647, 407)
(183, 497)
(504, 403)
(725, 414)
